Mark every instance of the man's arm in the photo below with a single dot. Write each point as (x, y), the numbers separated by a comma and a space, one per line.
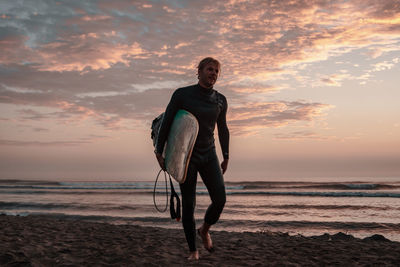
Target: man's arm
(223, 135)
(169, 114)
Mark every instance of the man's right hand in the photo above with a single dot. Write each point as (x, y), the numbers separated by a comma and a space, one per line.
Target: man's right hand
(161, 161)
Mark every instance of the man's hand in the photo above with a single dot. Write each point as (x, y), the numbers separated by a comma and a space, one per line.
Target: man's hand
(161, 161)
(224, 165)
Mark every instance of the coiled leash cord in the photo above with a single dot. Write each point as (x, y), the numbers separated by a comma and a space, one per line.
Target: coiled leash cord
(175, 213)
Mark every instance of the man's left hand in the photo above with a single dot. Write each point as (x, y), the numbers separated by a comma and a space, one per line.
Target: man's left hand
(224, 165)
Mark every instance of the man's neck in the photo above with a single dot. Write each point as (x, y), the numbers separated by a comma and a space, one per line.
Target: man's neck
(204, 86)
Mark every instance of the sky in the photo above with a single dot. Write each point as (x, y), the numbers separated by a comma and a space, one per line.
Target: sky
(312, 86)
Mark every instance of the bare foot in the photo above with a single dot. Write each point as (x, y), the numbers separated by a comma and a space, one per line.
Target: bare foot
(193, 256)
(206, 238)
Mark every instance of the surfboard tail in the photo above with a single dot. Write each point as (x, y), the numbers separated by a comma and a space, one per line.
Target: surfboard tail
(180, 144)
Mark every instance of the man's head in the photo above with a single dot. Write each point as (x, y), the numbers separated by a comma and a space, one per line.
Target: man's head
(208, 71)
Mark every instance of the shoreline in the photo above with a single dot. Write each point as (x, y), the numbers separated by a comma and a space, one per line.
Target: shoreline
(37, 240)
(359, 230)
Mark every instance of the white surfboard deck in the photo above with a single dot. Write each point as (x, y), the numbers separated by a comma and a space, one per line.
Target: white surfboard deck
(181, 139)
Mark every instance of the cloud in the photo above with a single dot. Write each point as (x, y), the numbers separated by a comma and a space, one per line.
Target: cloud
(330, 81)
(259, 33)
(30, 114)
(4, 142)
(252, 117)
(336, 79)
(156, 85)
(108, 110)
(83, 55)
(255, 88)
(302, 135)
(385, 65)
(113, 61)
(40, 129)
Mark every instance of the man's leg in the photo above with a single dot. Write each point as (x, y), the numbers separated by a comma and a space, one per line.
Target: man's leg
(212, 177)
(188, 192)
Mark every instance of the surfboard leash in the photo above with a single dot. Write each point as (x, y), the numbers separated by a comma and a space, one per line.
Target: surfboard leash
(166, 192)
(175, 213)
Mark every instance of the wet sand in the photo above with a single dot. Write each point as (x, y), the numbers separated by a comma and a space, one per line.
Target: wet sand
(46, 241)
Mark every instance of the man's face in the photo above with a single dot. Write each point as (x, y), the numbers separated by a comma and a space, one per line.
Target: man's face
(208, 75)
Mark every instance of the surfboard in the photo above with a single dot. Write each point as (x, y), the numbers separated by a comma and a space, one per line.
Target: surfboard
(181, 139)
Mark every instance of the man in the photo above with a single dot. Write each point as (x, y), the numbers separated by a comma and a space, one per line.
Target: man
(209, 107)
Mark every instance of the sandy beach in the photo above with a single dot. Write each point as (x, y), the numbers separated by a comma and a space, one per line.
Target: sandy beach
(45, 241)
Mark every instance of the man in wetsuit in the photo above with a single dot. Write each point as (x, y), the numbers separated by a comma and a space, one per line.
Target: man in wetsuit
(209, 107)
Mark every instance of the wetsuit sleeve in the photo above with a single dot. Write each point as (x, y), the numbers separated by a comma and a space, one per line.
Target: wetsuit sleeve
(169, 115)
(223, 131)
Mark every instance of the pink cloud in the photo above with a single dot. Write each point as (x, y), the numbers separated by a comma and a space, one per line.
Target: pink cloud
(95, 18)
(302, 135)
(39, 143)
(81, 55)
(109, 46)
(254, 89)
(252, 117)
(13, 50)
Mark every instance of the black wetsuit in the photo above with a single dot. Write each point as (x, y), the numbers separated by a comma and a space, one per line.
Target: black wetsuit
(209, 107)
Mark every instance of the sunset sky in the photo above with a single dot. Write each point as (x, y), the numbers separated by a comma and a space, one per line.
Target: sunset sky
(312, 86)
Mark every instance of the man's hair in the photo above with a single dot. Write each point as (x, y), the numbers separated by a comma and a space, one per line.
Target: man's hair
(206, 61)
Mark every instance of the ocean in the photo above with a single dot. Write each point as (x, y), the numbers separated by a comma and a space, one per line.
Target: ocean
(357, 207)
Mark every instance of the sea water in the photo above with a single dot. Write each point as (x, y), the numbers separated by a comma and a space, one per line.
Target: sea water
(358, 207)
